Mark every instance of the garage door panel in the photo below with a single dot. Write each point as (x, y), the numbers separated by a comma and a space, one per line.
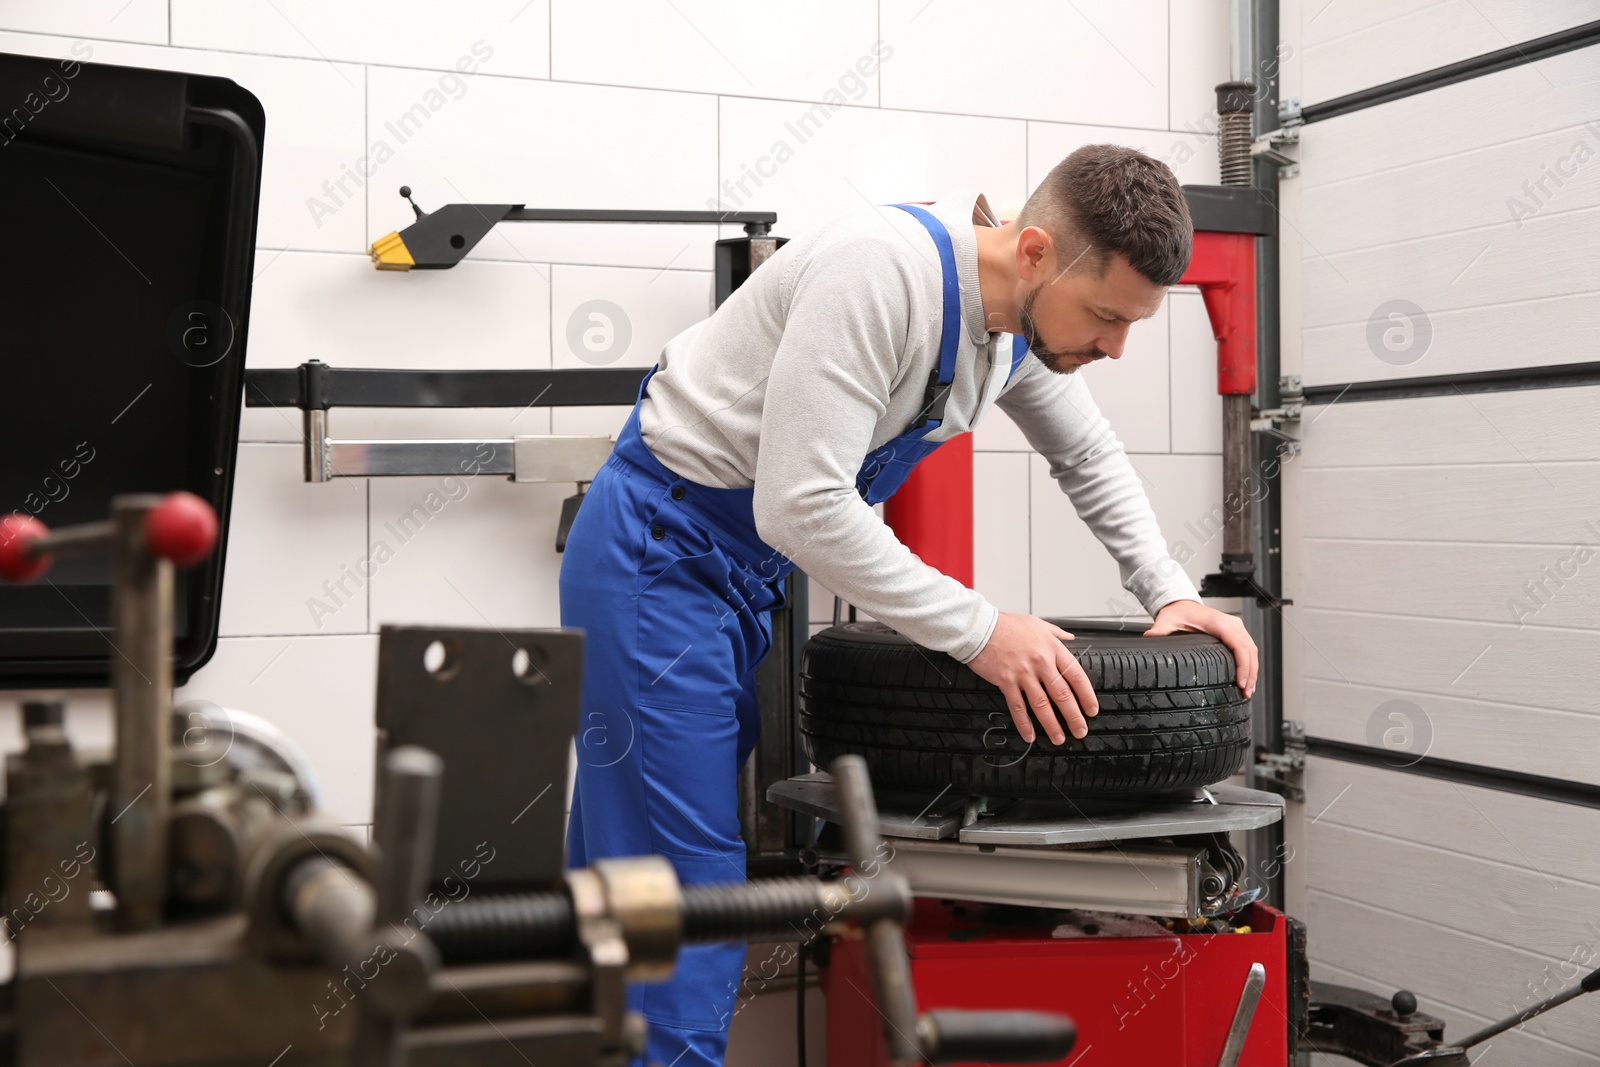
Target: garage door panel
(1514, 179)
(1546, 256)
(1465, 819)
(1353, 46)
(1555, 584)
(1451, 121)
(1486, 733)
(1501, 901)
(1531, 503)
(1540, 424)
(1556, 330)
(1536, 667)
(1445, 962)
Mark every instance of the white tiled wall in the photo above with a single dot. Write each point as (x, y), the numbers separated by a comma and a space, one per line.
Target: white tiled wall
(624, 104)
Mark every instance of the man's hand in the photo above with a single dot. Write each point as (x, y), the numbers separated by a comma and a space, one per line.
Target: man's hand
(1188, 616)
(1026, 659)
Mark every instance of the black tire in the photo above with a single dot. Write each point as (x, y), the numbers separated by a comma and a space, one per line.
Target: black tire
(1170, 716)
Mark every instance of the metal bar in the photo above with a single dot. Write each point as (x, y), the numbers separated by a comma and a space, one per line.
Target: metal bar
(380, 388)
(407, 811)
(1556, 376)
(318, 458)
(72, 540)
(766, 826)
(1236, 478)
(569, 214)
(559, 457)
(886, 951)
(381, 459)
(1515, 55)
(1589, 984)
(1265, 846)
(1145, 880)
(141, 784)
(1559, 790)
(1233, 1047)
(541, 458)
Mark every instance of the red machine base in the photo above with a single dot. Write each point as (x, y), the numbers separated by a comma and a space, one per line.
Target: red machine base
(1160, 1001)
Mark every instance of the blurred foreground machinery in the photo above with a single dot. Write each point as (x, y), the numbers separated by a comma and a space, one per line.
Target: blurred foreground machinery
(182, 901)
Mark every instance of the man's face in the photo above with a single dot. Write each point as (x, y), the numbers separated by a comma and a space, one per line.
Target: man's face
(1079, 318)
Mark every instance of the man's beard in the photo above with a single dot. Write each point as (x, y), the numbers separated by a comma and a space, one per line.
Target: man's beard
(1058, 362)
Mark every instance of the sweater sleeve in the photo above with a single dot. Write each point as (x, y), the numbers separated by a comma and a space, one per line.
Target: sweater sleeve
(1063, 424)
(844, 338)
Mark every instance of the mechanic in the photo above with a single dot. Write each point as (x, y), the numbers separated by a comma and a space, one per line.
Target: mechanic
(762, 440)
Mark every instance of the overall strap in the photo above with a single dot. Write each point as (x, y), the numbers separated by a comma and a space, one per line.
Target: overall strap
(1019, 351)
(939, 380)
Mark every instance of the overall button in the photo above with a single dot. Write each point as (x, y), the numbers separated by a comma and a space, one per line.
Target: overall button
(678, 492)
(658, 531)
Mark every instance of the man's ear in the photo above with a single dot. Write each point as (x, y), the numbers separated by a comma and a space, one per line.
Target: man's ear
(1034, 248)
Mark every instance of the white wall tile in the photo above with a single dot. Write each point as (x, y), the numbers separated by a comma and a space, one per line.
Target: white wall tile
(1094, 61)
(1190, 149)
(321, 691)
(793, 51)
(294, 552)
(1196, 407)
(512, 141)
(1132, 391)
(650, 308)
(997, 433)
(114, 20)
(1073, 574)
(475, 551)
(340, 309)
(1000, 529)
(512, 35)
(313, 133)
(607, 419)
(810, 166)
(1201, 57)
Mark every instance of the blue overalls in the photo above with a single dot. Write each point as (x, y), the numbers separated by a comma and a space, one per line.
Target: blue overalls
(674, 588)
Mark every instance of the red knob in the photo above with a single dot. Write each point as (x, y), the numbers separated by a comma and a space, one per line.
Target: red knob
(182, 528)
(16, 533)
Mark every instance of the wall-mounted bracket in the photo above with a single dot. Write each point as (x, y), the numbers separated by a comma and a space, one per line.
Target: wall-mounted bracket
(1268, 145)
(1283, 772)
(1277, 421)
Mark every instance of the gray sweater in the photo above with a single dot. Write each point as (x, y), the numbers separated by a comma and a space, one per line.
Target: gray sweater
(822, 356)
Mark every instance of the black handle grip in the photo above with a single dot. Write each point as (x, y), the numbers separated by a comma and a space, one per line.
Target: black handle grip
(1591, 982)
(995, 1036)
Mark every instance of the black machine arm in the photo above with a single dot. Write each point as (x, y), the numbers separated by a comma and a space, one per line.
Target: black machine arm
(441, 238)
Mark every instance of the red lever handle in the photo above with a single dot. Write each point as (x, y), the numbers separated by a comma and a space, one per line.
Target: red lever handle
(182, 528)
(17, 532)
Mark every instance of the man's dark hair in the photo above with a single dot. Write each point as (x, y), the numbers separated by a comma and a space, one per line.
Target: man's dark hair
(1114, 200)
